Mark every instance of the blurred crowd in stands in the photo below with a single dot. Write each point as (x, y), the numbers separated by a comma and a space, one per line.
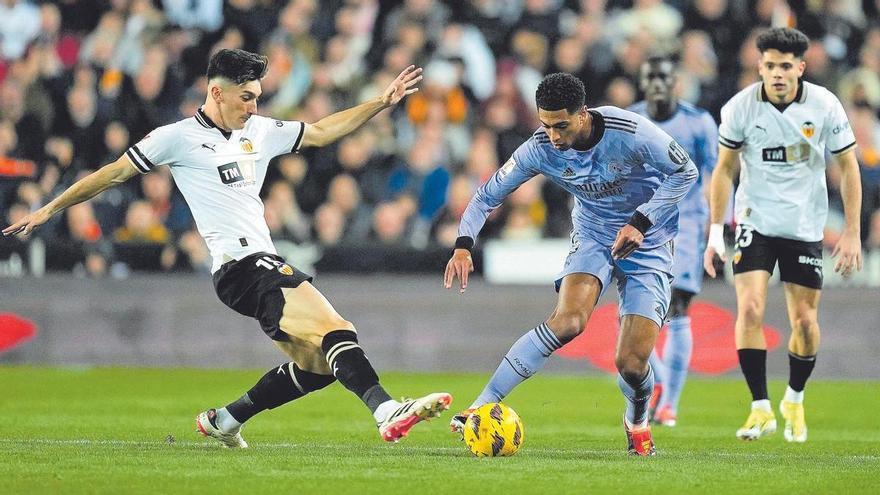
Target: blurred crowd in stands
(81, 80)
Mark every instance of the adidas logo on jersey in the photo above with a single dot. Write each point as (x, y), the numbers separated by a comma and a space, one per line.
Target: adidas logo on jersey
(568, 173)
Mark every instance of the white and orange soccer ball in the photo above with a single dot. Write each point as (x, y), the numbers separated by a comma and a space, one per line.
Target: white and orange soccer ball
(493, 430)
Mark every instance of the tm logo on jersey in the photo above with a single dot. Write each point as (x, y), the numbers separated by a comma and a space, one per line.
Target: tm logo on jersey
(230, 173)
(787, 154)
(237, 174)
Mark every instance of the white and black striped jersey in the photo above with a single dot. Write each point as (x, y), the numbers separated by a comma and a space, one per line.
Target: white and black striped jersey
(782, 190)
(220, 175)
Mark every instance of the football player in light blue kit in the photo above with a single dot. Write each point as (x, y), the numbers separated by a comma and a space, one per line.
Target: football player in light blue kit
(627, 177)
(695, 130)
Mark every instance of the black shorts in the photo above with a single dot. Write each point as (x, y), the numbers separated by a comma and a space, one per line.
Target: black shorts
(800, 262)
(252, 286)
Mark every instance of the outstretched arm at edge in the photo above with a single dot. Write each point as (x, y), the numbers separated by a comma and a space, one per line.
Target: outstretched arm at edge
(84, 189)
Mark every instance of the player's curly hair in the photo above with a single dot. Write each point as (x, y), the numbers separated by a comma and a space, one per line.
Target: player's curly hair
(238, 66)
(561, 91)
(786, 40)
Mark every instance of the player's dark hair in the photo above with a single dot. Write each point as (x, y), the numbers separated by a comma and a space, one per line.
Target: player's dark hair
(561, 91)
(786, 40)
(238, 66)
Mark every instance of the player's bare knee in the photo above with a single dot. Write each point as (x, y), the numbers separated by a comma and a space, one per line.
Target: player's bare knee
(806, 328)
(567, 326)
(751, 313)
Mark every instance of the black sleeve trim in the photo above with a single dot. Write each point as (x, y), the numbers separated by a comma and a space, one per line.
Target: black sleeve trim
(302, 131)
(640, 222)
(841, 150)
(464, 242)
(136, 162)
(729, 143)
(146, 162)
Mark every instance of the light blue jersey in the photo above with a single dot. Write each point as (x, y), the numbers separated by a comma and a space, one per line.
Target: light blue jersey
(631, 166)
(695, 130)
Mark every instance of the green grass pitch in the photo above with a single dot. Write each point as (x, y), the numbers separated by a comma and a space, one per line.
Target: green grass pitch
(114, 430)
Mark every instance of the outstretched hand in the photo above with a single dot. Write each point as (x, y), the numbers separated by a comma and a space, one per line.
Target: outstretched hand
(403, 85)
(460, 265)
(27, 224)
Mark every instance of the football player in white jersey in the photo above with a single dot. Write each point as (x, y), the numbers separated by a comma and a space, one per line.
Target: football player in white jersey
(775, 134)
(219, 159)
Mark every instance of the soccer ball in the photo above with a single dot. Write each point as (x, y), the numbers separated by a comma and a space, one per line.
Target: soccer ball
(493, 430)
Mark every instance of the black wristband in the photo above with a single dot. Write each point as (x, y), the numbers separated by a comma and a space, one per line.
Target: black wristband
(640, 222)
(464, 242)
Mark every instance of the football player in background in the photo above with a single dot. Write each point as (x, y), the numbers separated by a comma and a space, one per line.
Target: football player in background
(774, 134)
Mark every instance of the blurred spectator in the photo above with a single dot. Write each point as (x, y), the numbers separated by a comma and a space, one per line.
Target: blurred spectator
(621, 92)
(168, 208)
(494, 18)
(345, 197)
(19, 25)
(530, 52)
(206, 15)
(465, 42)
(83, 127)
(389, 224)
(289, 218)
(723, 24)
(27, 126)
(329, 225)
(444, 231)
(541, 16)
(84, 230)
(196, 256)
(422, 176)
(110, 205)
(647, 17)
(866, 129)
(142, 226)
(862, 84)
(441, 104)
(432, 14)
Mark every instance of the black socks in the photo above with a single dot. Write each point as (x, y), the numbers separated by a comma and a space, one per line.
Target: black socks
(753, 363)
(800, 368)
(277, 387)
(352, 368)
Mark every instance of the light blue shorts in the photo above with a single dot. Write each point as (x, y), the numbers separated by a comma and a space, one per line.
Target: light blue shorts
(687, 266)
(643, 278)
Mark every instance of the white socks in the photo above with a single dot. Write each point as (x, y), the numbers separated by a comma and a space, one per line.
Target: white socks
(792, 396)
(385, 409)
(763, 405)
(225, 422)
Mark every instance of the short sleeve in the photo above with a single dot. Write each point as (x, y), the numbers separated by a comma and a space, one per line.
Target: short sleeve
(730, 132)
(839, 136)
(283, 136)
(156, 148)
